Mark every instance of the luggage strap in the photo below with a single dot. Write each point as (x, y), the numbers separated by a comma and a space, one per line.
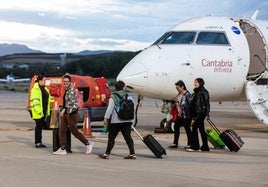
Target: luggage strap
(213, 126)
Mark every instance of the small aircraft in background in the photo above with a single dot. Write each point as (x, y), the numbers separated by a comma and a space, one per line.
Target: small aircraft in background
(12, 79)
(230, 54)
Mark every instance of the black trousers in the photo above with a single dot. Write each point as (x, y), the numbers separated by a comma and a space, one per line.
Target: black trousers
(39, 123)
(199, 124)
(186, 122)
(125, 129)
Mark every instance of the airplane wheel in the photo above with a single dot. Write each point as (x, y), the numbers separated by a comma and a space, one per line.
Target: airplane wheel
(168, 126)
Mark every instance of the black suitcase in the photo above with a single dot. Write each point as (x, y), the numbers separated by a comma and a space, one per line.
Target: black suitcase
(152, 144)
(56, 141)
(230, 138)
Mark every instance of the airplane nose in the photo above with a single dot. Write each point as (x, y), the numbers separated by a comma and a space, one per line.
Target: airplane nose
(134, 75)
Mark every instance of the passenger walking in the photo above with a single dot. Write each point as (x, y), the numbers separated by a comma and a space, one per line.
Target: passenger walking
(69, 116)
(40, 100)
(183, 116)
(116, 124)
(199, 109)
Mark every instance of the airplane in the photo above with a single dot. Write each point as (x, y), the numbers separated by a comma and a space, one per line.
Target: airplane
(11, 79)
(230, 54)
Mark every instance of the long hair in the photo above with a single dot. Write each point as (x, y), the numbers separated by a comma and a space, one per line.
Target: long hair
(180, 83)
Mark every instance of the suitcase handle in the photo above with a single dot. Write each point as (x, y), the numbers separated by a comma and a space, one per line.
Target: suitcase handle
(137, 132)
(213, 126)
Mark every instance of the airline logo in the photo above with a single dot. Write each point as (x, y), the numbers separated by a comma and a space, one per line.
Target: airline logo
(235, 30)
(221, 66)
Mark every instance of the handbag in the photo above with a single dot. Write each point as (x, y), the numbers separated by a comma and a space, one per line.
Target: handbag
(175, 112)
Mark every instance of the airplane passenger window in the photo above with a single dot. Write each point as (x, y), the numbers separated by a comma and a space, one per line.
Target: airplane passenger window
(212, 38)
(179, 38)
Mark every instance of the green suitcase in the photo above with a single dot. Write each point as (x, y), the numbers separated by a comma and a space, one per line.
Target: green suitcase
(214, 139)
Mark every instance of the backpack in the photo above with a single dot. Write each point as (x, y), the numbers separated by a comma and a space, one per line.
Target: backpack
(126, 108)
(79, 98)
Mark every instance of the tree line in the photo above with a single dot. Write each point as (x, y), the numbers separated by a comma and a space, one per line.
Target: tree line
(108, 65)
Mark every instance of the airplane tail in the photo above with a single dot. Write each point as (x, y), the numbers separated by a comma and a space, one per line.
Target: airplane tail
(254, 15)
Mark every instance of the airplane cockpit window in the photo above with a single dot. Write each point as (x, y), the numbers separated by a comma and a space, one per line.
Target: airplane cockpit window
(161, 38)
(218, 38)
(179, 38)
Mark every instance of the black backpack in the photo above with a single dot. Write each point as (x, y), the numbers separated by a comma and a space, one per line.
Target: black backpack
(126, 108)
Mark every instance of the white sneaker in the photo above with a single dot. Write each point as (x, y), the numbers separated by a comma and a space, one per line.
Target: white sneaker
(89, 148)
(192, 150)
(60, 152)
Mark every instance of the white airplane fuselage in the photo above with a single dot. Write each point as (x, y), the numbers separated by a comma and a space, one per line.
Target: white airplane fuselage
(219, 51)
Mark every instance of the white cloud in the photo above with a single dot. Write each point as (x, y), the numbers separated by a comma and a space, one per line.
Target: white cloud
(60, 25)
(56, 40)
(76, 7)
(16, 32)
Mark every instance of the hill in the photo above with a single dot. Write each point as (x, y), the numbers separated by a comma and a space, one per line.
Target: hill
(95, 63)
(8, 49)
(13, 49)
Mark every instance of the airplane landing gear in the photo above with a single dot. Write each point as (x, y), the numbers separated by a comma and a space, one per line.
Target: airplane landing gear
(168, 126)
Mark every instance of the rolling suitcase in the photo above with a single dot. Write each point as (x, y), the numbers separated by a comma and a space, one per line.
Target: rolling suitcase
(56, 141)
(231, 140)
(229, 137)
(214, 138)
(152, 144)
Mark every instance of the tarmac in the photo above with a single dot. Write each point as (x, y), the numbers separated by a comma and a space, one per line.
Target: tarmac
(24, 165)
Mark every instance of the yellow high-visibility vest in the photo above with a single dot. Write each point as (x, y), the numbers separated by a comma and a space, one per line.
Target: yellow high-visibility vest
(36, 102)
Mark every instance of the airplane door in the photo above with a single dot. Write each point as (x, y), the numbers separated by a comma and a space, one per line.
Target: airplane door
(257, 94)
(257, 86)
(257, 47)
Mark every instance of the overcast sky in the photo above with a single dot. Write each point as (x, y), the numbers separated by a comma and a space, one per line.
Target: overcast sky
(76, 25)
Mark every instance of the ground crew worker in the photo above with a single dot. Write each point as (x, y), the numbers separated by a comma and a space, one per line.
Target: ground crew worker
(40, 100)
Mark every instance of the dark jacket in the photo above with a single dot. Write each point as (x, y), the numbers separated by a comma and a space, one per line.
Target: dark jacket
(185, 104)
(200, 102)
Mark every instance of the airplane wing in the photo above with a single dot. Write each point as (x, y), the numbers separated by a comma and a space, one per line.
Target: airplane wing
(21, 80)
(3, 80)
